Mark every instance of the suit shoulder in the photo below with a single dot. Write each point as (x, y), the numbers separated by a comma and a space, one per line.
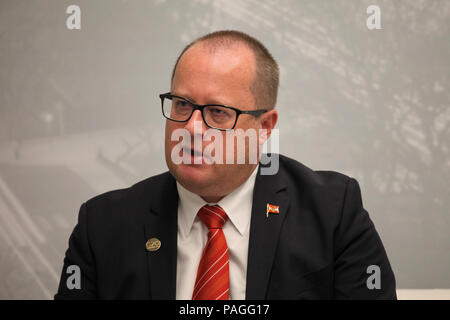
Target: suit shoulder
(297, 172)
(133, 193)
(322, 192)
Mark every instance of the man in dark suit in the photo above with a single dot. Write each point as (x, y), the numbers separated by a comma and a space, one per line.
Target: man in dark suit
(216, 229)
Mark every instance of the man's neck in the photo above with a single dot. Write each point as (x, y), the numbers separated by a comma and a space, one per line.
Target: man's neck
(216, 199)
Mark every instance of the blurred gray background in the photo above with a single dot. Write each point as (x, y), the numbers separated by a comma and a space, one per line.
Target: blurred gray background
(80, 114)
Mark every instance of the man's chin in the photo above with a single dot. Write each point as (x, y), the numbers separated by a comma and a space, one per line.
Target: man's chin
(194, 177)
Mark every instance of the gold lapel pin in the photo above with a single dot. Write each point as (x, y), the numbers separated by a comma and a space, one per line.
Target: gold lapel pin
(152, 244)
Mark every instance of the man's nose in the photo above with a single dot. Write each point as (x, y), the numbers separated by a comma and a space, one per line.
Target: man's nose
(196, 118)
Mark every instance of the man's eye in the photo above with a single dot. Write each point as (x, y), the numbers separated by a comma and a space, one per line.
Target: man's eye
(180, 103)
(217, 111)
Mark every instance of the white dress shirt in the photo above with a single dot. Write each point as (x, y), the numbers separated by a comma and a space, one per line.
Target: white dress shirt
(193, 234)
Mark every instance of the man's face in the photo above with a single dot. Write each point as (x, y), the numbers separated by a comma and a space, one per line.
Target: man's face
(220, 77)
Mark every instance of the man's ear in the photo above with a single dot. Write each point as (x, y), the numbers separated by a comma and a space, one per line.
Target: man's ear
(268, 121)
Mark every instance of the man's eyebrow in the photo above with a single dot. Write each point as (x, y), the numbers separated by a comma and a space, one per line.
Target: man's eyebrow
(222, 103)
(210, 102)
(184, 96)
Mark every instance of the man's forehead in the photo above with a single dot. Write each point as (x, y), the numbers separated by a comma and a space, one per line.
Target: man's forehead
(222, 76)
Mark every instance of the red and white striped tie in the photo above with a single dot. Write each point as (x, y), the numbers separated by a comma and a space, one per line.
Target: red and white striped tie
(212, 281)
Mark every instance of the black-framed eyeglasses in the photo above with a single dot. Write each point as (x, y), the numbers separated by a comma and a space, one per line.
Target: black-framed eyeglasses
(215, 116)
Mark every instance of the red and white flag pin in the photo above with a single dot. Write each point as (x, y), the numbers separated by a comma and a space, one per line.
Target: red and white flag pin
(272, 209)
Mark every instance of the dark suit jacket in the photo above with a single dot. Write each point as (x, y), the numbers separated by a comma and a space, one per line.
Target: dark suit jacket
(319, 246)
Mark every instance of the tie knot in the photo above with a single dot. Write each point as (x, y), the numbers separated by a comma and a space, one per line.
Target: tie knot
(214, 217)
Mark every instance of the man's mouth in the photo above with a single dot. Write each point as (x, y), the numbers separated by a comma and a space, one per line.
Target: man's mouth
(196, 155)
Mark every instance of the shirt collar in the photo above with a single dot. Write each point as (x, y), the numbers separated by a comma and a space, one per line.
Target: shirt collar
(237, 205)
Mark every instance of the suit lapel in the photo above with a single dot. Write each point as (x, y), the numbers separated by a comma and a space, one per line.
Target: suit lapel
(161, 223)
(264, 232)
